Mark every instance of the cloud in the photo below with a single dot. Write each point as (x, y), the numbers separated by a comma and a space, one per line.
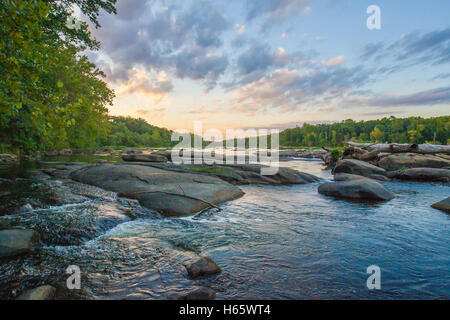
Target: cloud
(154, 113)
(422, 98)
(334, 62)
(276, 10)
(204, 110)
(261, 57)
(182, 39)
(414, 48)
(442, 76)
(289, 89)
(140, 83)
(240, 29)
(307, 10)
(195, 63)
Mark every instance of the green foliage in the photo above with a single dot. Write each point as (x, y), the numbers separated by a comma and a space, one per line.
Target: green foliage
(213, 170)
(130, 132)
(409, 130)
(51, 96)
(335, 154)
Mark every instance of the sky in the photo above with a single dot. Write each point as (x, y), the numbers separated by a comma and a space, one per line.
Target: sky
(274, 63)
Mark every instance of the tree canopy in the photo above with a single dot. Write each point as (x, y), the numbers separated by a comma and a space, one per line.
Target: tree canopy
(51, 95)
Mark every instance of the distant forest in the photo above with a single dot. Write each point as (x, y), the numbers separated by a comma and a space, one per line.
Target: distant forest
(130, 132)
(408, 130)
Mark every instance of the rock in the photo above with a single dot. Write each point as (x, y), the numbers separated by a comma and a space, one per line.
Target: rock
(357, 167)
(145, 158)
(378, 177)
(422, 174)
(62, 171)
(25, 208)
(65, 152)
(399, 161)
(443, 205)
(312, 154)
(362, 189)
(51, 153)
(132, 151)
(202, 267)
(40, 293)
(288, 153)
(200, 293)
(8, 158)
(170, 193)
(242, 174)
(347, 177)
(15, 242)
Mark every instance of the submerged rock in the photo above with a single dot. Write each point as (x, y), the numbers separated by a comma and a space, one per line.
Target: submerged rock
(202, 267)
(357, 167)
(361, 189)
(170, 193)
(399, 161)
(422, 174)
(443, 205)
(40, 293)
(145, 158)
(14, 242)
(200, 293)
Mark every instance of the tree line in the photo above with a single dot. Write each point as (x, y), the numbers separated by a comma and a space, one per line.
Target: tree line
(407, 130)
(131, 132)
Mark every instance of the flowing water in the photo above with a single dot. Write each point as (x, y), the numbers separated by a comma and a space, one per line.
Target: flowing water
(276, 242)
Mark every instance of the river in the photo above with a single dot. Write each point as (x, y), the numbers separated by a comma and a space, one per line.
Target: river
(276, 242)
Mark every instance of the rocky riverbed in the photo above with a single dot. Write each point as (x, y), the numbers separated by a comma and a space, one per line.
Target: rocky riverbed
(116, 222)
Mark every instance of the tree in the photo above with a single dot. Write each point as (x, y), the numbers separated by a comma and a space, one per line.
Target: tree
(377, 135)
(51, 96)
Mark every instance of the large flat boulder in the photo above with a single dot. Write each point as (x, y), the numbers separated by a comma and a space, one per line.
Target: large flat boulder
(422, 174)
(241, 174)
(362, 189)
(443, 205)
(14, 242)
(401, 161)
(357, 167)
(170, 193)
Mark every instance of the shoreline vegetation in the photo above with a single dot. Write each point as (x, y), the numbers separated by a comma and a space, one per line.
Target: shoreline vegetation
(123, 133)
